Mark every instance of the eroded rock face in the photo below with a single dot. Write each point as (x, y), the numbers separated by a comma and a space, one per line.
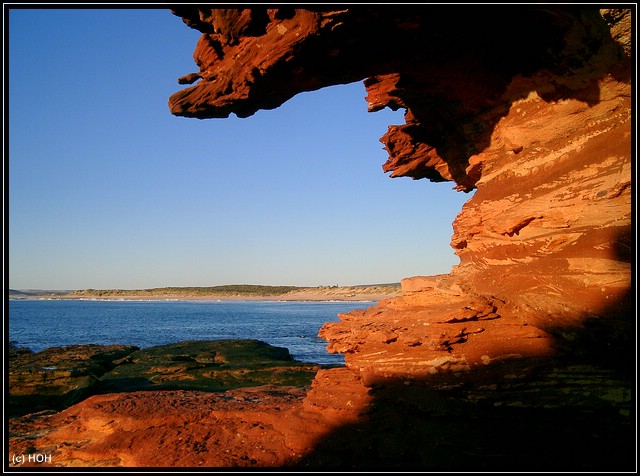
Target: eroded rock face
(528, 106)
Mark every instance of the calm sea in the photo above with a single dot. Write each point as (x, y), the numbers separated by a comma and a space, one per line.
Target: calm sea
(39, 324)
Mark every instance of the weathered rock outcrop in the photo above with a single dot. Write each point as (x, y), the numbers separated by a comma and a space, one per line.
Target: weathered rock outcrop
(484, 423)
(530, 106)
(519, 359)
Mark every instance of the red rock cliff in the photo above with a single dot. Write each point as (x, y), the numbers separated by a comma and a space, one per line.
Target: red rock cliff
(530, 106)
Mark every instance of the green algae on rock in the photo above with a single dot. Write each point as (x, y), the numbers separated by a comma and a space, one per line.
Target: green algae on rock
(208, 366)
(59, 377)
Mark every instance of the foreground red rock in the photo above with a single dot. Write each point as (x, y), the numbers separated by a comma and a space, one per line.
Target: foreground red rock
(522, 358)
(259, 426)
(535, 417)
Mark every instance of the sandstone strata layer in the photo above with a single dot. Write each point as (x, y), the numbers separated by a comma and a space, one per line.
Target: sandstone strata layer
(528, 106)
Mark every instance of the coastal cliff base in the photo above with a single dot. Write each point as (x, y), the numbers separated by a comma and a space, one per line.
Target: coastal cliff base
(516, 417)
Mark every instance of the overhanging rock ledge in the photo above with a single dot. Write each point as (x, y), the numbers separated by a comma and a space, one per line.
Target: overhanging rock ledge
(530, 106)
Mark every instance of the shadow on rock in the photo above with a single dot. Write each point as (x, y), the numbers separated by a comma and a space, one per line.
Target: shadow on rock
(571, 412)
(524, 416)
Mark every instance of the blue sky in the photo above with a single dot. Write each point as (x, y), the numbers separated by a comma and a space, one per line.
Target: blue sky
(107, 189)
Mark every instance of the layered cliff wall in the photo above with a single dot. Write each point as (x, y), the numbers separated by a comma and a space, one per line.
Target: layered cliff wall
(529, 106)
(526, 347)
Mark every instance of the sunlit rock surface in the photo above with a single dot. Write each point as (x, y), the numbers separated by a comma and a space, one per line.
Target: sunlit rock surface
(521, 358)
(529, 106)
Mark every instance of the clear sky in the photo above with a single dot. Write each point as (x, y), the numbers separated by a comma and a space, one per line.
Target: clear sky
(107, 189)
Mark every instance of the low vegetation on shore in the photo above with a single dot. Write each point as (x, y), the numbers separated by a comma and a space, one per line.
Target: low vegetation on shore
(231, 289)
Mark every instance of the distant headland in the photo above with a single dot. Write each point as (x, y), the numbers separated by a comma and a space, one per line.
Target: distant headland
(246, 292)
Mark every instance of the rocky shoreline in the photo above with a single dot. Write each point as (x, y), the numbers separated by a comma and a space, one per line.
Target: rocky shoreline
(59, 377)
(246, 404)
(222, 403)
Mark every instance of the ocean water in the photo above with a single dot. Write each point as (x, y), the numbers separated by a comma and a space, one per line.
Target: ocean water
(39, 324)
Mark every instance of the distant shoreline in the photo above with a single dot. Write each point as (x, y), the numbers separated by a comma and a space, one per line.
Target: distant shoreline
(365, 293)
(203, 299)
(364, 301)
